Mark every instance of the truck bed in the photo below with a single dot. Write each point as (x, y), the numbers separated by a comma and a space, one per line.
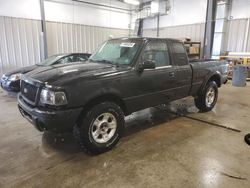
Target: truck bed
(200, 60)
(203, 67)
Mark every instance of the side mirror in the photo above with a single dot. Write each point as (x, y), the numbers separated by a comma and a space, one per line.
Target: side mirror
(148, 64)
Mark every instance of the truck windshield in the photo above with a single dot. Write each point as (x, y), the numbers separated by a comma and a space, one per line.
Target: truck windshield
(117, 52)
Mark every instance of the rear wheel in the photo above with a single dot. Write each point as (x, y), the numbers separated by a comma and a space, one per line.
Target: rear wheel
(247, 139)
(101, 128)
(208, 98)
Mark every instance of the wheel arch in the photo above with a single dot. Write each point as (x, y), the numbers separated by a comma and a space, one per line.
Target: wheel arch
(107, 97)
(215, 77)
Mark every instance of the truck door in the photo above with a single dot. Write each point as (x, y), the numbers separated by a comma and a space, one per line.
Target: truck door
(183, 71)
(157, 85)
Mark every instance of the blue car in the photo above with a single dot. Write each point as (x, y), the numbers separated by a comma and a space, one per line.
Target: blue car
(10, 81)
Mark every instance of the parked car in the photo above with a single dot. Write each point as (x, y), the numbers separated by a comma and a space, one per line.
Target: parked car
(11, 80)
(123, 76)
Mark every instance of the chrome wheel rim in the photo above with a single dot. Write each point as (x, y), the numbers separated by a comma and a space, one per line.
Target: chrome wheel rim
(210, 96)
(104, 128)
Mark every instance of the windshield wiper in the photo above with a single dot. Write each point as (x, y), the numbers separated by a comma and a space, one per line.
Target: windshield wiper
(105, 61)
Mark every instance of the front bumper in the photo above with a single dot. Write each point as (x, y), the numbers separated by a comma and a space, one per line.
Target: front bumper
(57, 121)
(224, 79)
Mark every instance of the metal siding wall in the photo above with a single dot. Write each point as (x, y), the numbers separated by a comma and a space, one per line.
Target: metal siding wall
(234, 38)
(193, 31)
(149, 33)
(235, 35)
(19, 42)
(65, 37)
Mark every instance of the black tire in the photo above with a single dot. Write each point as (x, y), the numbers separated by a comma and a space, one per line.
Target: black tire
(200, 100)
(247, 139)
(86, 138)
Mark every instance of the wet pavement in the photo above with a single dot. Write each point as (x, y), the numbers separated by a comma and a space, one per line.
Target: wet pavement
(171, 145)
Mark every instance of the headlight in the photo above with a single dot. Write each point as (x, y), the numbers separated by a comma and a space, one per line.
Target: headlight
(56, 98)
(15, 77)
(3, 77)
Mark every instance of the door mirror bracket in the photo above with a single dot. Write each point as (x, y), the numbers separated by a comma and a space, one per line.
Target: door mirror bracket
(148, 64)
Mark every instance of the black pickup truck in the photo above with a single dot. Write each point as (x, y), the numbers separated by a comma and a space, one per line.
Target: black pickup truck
(123, 76)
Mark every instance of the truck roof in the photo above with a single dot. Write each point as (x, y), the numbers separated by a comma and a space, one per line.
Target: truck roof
(146, 38)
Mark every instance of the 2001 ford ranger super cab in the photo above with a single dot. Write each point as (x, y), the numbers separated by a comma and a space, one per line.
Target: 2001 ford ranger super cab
(123, 76)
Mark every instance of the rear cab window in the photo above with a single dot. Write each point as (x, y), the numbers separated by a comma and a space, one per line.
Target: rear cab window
(179, 53)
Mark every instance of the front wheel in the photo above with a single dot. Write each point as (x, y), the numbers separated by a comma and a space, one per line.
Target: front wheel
(102, 127)
(208, 98)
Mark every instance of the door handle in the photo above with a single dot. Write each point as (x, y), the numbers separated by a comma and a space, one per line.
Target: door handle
(171, 74)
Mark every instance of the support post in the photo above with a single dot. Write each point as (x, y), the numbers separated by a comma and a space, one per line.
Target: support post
(158, 24)
(44, 49)
(209, 28)
(140, 29)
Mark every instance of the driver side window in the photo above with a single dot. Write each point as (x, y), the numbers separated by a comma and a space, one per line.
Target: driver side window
(157, 52)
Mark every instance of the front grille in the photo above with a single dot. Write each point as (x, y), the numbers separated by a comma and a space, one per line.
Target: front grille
(29, 91)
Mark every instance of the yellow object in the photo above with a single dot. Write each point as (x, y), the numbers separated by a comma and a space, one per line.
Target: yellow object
(236, 60)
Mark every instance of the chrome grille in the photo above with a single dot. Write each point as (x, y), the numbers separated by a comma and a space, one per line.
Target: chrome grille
(29, 91)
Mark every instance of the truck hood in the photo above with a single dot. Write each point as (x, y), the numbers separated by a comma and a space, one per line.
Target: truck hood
(59, 74)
